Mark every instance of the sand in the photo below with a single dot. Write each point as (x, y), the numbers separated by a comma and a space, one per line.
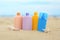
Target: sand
(53, 24)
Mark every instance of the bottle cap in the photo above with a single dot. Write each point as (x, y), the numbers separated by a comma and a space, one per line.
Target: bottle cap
(35, 13)
(18, 13)
(27, 14)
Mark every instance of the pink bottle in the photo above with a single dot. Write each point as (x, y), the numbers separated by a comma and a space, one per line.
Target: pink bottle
(18, 22)
(27, 22)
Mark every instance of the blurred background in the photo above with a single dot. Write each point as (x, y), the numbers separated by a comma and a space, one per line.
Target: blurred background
(10, 7)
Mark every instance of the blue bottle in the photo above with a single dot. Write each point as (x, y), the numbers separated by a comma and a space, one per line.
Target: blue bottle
(42, 21)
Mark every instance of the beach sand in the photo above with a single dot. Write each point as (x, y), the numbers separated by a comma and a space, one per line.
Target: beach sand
(53, 24)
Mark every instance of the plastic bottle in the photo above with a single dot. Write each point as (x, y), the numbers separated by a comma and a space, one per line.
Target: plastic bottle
(35, 21)
(42, 21)
(18, 21)
(27, 22)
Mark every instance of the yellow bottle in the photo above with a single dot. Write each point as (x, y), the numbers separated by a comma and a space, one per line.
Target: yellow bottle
(35, 21)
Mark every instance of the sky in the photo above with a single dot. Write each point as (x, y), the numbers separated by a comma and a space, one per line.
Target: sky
(11, 7)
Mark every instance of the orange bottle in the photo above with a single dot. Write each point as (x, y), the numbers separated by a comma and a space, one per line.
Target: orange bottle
(35, 21)
(18, 21)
